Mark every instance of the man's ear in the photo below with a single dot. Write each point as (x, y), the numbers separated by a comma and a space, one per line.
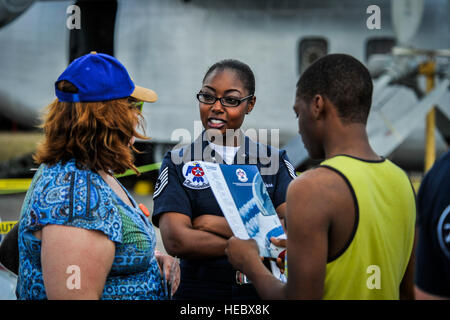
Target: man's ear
(251, 104)
(318, 107)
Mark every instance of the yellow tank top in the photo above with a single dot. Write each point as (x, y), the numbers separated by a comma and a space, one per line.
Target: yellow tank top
(374, 262)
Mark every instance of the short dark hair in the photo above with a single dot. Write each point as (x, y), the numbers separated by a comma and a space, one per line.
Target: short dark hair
(344, 81)
(243, 71)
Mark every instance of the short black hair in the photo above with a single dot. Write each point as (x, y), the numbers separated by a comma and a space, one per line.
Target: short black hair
(344, 81)
(243, 71)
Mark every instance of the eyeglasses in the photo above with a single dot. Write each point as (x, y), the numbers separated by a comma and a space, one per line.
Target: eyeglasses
(225, 101)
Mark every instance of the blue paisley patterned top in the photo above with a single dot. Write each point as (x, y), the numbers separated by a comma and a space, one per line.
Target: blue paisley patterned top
(66, 195)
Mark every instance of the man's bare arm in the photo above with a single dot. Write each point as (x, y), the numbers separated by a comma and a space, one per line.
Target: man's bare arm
(307, 244)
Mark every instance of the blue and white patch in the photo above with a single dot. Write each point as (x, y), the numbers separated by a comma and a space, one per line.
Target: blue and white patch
(241, 175)
(161, 183)
(194, 176)
(443, 232)
(290, 168)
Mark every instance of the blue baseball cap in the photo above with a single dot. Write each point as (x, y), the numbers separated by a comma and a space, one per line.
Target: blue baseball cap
(100, 77)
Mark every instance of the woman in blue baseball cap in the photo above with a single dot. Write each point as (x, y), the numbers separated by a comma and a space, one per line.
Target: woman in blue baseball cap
(81, 234)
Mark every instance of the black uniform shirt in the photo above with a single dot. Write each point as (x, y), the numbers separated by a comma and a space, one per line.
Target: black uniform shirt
(179, 189)
(433, 251)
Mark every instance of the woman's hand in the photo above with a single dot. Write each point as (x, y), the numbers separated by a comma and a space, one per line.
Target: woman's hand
(214, 224)
(171, 268)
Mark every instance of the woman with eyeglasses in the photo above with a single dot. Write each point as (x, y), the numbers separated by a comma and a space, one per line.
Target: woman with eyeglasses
(81, 234)
(191, 222)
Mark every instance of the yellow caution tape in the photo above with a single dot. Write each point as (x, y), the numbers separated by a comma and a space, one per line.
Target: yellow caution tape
(6, 226)
(9, 186)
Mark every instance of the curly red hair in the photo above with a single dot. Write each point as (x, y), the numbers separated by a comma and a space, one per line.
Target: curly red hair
(96, 134)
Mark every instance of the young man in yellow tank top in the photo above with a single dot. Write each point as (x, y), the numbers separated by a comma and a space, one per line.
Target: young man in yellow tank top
(351, 220)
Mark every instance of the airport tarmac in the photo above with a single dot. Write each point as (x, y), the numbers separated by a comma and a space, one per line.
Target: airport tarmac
(10, 206)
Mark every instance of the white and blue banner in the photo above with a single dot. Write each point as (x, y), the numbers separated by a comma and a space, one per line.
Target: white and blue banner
(245, 203)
